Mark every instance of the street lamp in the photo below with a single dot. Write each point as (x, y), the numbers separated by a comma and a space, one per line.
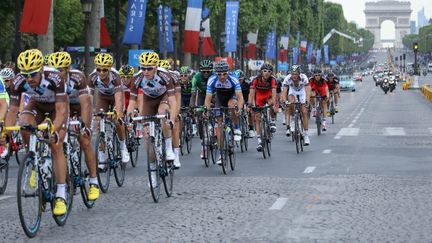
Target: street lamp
(222, 41)
(87, 9)
(175, 30)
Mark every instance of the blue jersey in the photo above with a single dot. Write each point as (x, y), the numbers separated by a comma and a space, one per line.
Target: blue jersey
(215, 85)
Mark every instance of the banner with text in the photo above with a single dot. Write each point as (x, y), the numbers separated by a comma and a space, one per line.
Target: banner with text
(164, 29)
(135, 21)
(231, 26)
(271, 46)
(326, 55)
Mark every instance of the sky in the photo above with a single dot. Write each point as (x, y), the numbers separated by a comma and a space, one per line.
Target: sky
(353, 11)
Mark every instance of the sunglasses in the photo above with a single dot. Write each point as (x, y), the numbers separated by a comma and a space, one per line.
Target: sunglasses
(7, 80)
(319, 75)
(148, 69)
(126, 76)
(102, 70)
(222, 74)
(184, 75)
(205, 71)
(266, 71)
(30, 75)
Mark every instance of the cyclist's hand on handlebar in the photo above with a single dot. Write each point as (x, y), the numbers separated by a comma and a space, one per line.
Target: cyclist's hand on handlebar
(85, 132)
(54, 138)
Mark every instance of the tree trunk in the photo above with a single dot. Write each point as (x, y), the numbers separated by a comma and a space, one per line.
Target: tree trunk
(117, 51)
(17, 38)
(94, 30)
(46, 42)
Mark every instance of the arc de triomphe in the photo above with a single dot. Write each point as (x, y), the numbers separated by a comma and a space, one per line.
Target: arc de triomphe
(399, 12)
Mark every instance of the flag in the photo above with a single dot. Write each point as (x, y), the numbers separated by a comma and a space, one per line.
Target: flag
(283, 52)
(105, 39)
(298, 38)
(164, 29)
(271, 45)
(318, 56)
(303, 45)
(35, 17)
(295, 55)
(207, 44)
(192, 26)
(250, 50)
(135, 21)
(310, 52)
(326, 54)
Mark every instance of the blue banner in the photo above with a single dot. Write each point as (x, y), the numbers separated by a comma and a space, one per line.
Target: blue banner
(326, 54)
(283, 66)
(298, 38)
(164, 29)
(231, 26)
(134, 27)
(310, 52)
(295, 55)
(318, 56)
(271, 45)
(134, 56)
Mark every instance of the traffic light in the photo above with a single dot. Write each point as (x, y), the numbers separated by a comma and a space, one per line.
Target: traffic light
(415, 46)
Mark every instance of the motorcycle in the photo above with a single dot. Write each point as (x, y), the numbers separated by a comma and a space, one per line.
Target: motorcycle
(385, 85)
(392, 85)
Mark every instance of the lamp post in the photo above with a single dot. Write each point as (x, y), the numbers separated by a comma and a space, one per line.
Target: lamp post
(87, 9)
(201, 37)
(175, 30)
(222, 45)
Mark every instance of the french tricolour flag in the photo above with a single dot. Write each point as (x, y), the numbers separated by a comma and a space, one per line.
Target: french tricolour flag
(207, 45)
(105, 39)
(303, 45)
(251, 46)
(192, 26)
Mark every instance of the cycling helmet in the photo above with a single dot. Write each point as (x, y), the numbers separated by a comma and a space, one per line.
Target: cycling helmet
(60, 60)
(104, 60)
(7, 73)
(164, 64)
(221, 66)
(206, 65)
(126, 70)
(295, 68)
(317, 71)
(30, 60)
(330, 75)
(267, 66)
(149, 59)
(184, 70)
(46, 59)
(239, 73)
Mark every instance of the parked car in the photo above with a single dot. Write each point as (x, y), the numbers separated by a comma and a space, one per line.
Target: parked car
(358, 76)
(346, 83)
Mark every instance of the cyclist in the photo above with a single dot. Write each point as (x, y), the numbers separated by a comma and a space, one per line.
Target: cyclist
(297, 84)
(228, 94)
(126, 73)
(158, 95)
(46, 87)
(198, 90)
(333, 84)
(262, 92)
(245, 87)
(106, 81)
(166, 66)
(6, 76)
(81, 105)
(319, 86)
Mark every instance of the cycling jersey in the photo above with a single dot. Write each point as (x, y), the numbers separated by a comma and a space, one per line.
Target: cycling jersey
(332, 84)
(263, 89)
(50, 90)
(3, 92)
(224, 90)
(319, 88)
(113, 86)
(303, 82)
(199, 83)
(161, 84)
(176, 78)
(186, 88)
(76, 85)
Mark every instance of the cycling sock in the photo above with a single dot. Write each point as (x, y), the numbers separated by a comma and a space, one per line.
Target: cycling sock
(61, 188)
(259, 140)
(168, 143)
(94, 181)
(177, 151)
(236, 126)
(122, 144)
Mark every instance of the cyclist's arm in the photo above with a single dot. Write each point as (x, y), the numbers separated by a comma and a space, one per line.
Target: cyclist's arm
(10, 116)
(118, 97)
(193, 91)
(240, 100)
(3, 108)
(308, 93)
(284, 93)
(61, 107)
(133, 99)
(252, 96)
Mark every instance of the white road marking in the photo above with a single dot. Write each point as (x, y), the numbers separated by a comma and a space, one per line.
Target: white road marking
(278, 205)
(354, 121)
(326, 151)
(430, 130)
(5, 197)
(351, 125)
(394, 131)
(337, 137)
(309, 169)
(348, 132)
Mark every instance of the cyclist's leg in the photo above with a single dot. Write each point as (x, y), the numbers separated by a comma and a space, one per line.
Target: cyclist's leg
(164, 108)
(176, 130)
(257, 120)
(232, 103)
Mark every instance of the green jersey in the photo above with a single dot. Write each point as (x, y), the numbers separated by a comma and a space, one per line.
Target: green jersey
(199, 83)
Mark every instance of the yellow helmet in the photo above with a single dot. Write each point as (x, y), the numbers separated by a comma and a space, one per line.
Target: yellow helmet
(149, 59)
(164, 64)
(30, 60)
(104, 60)
(126, 70)
(60, 59)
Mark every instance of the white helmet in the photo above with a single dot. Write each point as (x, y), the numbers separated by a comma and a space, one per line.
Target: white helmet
(7, 73)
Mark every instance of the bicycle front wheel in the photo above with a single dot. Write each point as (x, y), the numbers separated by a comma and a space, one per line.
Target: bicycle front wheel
(85, 185)
(103, 166)
(205, 146)
(119, 166)
(232, 155)
(296, 134)
(168, 178)
(153, 170)
(225, 150)
(4, 171)
(61, 220)
(29, 196)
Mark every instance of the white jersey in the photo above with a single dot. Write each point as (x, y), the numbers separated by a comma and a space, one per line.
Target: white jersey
(288, 82)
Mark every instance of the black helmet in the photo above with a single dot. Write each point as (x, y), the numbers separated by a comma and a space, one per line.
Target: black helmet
(317, 71)
(330, 75)
(295, 68)
(267, 66)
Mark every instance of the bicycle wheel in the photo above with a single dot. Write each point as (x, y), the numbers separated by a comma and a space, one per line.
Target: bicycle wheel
(189, 135)
(225, 150)
(61, 220)
(131, 142)
(214, 149)
(4, 171)
(232, 155)
(205, 146)
(168, 178)
(153, 170)
(183, 140)
(318, 120)
(119, 167)
(29, 196)
(301, 132)
(268, 143)
(296, 134)
(264, 138)
(85, 184)
(103, 167)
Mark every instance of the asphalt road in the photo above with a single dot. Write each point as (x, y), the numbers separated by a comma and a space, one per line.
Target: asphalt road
(367, 179)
